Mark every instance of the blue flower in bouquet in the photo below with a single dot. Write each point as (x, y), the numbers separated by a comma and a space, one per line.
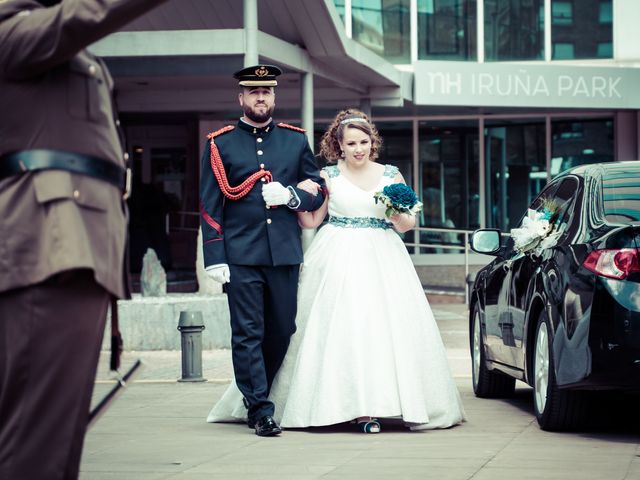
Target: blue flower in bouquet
(398, 198)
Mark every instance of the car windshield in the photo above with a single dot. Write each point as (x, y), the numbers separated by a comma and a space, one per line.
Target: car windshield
(621, 194)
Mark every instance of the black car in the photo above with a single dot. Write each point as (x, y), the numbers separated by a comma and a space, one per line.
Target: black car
(562, 313)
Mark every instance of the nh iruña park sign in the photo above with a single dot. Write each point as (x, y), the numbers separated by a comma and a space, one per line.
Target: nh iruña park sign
(518, 85)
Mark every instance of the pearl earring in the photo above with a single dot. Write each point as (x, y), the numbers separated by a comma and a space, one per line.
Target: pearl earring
(342, 154)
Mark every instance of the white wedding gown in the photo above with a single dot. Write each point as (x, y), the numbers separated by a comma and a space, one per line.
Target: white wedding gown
(366, 343)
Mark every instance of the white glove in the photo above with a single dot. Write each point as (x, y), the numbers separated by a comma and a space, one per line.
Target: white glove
(274, 193)
(219, 273)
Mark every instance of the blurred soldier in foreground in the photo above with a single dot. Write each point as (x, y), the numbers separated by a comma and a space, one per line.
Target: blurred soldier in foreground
(63, 224)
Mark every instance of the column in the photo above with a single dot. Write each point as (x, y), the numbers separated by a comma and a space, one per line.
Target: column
(306, 102)
(306, 114)
(250, 16)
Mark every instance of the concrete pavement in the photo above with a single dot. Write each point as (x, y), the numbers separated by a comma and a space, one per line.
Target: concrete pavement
(157, 431)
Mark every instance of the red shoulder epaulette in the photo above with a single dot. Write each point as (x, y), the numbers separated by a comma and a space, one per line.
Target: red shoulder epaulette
(226, 129)
(291, 127)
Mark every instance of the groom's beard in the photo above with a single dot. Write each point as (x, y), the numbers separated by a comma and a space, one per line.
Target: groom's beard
(256, 116)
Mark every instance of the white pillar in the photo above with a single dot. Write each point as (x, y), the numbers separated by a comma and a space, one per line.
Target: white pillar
(250, 14)
(626, 34)
(306, 113)
(306, 102)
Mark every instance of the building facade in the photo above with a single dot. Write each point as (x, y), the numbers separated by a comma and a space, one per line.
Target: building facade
(479, 102)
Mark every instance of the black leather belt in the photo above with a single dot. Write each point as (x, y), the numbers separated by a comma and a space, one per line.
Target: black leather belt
(23, 161)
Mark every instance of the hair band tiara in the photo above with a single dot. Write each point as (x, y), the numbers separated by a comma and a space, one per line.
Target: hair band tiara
(354, 120)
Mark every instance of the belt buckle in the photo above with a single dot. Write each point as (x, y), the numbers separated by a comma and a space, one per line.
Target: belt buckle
(127, 184)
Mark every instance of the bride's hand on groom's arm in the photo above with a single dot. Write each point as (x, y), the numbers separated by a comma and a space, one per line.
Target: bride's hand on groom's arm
(310, 187)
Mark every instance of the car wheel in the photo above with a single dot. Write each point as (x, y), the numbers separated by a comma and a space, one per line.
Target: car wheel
(486, 383)
(555, 409)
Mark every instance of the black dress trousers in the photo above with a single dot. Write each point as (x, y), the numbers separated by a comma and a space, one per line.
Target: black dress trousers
(262, 305)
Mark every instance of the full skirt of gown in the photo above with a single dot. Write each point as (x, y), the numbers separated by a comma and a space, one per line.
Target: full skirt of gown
(366, 344)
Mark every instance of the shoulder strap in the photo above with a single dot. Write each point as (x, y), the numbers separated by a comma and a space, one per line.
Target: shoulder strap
(390, 171)
(291, 127)
(332, 170)
(219, 132)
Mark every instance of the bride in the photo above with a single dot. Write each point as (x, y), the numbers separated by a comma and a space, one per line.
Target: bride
(367, 346)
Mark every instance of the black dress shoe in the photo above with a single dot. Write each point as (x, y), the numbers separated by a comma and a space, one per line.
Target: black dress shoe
(267, 427)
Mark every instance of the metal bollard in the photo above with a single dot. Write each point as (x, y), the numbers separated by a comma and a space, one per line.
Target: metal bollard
(471, 278)
(191, 327)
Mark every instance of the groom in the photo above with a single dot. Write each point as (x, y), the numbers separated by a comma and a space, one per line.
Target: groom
(251, 237)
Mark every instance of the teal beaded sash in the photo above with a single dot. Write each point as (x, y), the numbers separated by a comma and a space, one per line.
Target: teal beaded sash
(359, 222)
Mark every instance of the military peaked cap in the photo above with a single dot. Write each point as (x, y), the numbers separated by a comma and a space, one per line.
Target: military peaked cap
(258, 76)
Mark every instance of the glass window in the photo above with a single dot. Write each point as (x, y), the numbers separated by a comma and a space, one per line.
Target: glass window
(448, 180)
(589, 31)
(606, 13)
(384, 27)
(340, 8)
(605, 50)
(565, 199)
(447, 29)
(561, 194)
(513, 29)
(562, 13)
(563, 51)
(578, 142)
(397, 147)
(620, 196)
(515, 169)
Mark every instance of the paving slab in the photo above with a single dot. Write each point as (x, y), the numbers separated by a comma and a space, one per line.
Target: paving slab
(156, 430)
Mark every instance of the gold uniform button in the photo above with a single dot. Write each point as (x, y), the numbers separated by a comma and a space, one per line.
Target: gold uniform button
(259, 140)
(269, 221)
(125, 156)
(260, 152)
(76, 194)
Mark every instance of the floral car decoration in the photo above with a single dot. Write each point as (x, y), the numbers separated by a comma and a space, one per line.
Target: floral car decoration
(540, 229)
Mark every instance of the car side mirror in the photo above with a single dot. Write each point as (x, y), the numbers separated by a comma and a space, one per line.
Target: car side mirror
(485, 241)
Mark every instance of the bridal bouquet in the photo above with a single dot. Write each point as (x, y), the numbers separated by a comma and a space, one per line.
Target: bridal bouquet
(539, 229)
(398, 198)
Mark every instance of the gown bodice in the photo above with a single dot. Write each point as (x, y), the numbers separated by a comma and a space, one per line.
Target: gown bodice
(348, 201)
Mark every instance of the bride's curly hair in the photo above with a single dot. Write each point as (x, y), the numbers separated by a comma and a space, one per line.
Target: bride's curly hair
(330, 143)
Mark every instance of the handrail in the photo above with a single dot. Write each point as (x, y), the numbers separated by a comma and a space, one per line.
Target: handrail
(465, 247)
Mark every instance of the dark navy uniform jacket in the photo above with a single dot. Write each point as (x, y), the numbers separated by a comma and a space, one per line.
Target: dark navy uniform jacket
(245, 231)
